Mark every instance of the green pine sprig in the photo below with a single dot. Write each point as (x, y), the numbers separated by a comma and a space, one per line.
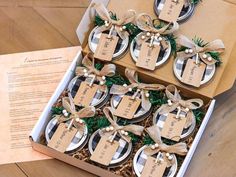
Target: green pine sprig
(173, 43)
(196, 1)
(199, 41)
(134, 138)
(199, 115)
(147, 140)
(57, 110)
(216, 56)
(133, 31)
(117, 79)
(96, 122)
(157, 98)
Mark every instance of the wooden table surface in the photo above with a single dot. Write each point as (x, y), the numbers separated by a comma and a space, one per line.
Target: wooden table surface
(27, 25)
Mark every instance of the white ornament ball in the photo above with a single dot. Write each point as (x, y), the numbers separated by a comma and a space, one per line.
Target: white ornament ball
(148, 34)
(130, 89)
(64, 111)
(103, 77)
(102, 83)
(122, 132)
(170, 157)
(204, 56)
(111, 128)
(209, 58)
(186, 51)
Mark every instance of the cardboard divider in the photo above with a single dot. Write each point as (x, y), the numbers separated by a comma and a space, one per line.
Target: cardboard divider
(198, 25)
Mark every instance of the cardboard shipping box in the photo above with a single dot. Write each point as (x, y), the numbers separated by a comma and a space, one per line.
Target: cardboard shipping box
(212, 19)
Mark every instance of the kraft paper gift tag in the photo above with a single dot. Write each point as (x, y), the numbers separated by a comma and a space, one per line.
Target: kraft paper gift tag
(153, 168)
(106, 47)
(148, 56)
(173, 127)
(104, 151)
(171, 10)
(127, 107)
(85, 94)
(193, 73)
(62, 138)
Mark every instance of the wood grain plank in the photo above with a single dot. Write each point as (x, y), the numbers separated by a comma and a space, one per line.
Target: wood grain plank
(11, 170)
(70, 17)
(216, 155)
(52, 168)
(25, 30)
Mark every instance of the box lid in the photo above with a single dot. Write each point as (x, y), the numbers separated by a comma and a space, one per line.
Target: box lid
(203, 24)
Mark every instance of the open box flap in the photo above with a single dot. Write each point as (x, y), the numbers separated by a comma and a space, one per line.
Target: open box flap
(87, 22)
(229, 75)
(203, 24)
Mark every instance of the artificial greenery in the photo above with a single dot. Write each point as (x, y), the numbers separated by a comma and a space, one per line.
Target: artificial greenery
(216, 56)
(57, 110)
(199, 114)
(196, 1)
(96, 122)
(134, 138)
(157, 98)
(199, 41)
(173, 43)
(147, 140)
(117, 79)
(133, 31)
(99, 66)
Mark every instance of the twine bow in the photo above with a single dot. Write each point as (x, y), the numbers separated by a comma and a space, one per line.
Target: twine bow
(143, 88)
(154, 133)
(175, 102)
(89, 69)
(121, 130)
(117, 25)
(76, 116)
(201, 52)
(145, 23)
